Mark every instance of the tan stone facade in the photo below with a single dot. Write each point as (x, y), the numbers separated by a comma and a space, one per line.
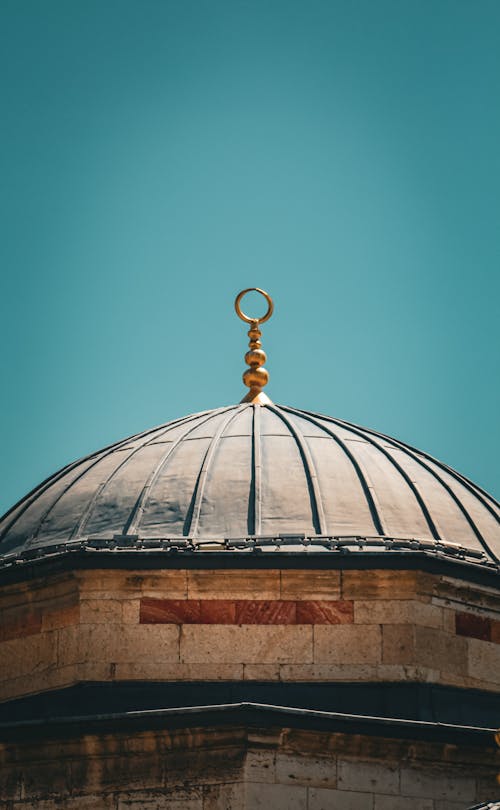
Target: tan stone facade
(236, 768)
(307, 625)
(233, 625)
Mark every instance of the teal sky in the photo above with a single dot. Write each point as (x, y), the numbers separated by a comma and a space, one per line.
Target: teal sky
(157, 157)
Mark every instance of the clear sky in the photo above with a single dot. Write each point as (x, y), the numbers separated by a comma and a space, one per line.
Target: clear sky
(159, 156)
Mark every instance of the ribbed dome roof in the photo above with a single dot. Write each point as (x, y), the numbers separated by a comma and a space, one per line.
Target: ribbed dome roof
(246, 471)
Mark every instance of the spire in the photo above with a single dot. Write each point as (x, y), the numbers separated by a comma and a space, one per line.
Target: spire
(255, 377)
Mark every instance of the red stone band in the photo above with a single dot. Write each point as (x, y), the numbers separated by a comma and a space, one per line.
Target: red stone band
(481, 627)
(245, 611)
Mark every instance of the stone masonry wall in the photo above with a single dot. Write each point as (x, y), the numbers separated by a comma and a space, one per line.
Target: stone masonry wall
(242, 769)
(287, 625)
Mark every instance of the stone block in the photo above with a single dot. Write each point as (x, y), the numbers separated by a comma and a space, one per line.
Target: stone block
(371, 777)
(261, 672)
(169, 611)
(397, 611)
(437, 785)
(130, 611)
(257, 611)
(311, 770)
(234, 584)
(328, 672)
(169, 584)
(278, 797)
(322, 611)
(407, 672)
(379, 584)
(29, 655)
(495, 631)
(104, 801)
(473, 626)
(54, 620)
(347, 644)
(224, 797)
(101, 611)
(398, 644)
(118, 643)
(177, 799)
(315, 584)
(119, 773)
(246, 644)
(483, 661)
(166, 671)
(218, 611)
(448, 620)
(403, 803)
(439, 650)
(260, 766)
(324, 799)
(20, 623)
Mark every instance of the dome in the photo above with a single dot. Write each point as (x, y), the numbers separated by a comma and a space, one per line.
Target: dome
(256, 476)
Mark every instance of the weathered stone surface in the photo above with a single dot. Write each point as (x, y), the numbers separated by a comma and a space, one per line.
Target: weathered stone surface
(379, 584)
(178, 799)
(238, 769)
(167, 671)
(61, 618)
(350, 644)
(233, 584)
(439, 650)
(131, 611)
(397, 611)
(25, 623)
(483, 660)
(372, 777)
(246, 644)
(473, 626)
(224, 797)
(261, 672)
(260, 765)
(310, 584)
(323, 799)
(328, 672)
(169, 611)
(218, 611)
(398, 644)
(172, 584)
(437, 785)
(279, 797)
(403, 803)
(118, 643)
(306, 770)
(28, 655)
(322, 611)
(495, 631)
(265, 612)
(101, 611)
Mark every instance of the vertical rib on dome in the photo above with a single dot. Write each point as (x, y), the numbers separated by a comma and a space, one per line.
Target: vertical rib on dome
(256, 485)
(140, 506)
(20, 508)
(463, 481)
(192, 522)
(318, 513)
(363, 477)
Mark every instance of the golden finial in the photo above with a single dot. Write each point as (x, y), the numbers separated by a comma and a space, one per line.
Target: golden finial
(255, 377)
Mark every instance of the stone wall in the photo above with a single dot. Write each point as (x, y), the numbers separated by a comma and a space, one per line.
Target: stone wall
(242, 769)
(287, 625)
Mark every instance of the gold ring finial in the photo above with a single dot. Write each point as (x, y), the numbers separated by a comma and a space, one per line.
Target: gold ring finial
(255, 377)
(240, 314)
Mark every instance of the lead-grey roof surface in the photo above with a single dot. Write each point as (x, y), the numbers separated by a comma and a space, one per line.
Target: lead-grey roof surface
(256, 474)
